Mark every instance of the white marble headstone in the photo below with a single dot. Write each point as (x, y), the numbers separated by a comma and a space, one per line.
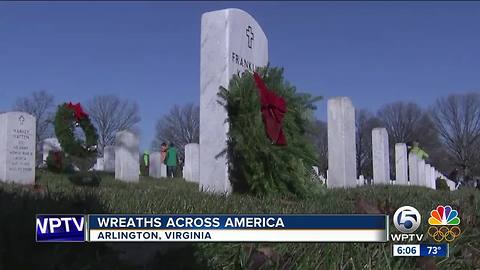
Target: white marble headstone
(231, 42)
(17, 147)
(127, 153)
(380, 154)
(342, 165)
(99, 165)
(421, 173)
(192, 165)
(413, 169)
(50, 144)
(433, 179)
(155, 165)
(401, 164)
(109, 158)
(428, 175)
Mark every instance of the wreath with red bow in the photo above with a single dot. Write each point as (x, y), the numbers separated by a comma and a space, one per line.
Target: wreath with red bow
(83, 152)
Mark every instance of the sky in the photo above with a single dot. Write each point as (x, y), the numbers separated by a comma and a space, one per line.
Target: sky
(149, 52)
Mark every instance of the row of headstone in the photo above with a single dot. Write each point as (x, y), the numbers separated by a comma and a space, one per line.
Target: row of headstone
(409, 168)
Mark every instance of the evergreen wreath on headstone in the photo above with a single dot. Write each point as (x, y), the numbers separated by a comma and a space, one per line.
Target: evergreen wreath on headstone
(81, 153)
(268, 151)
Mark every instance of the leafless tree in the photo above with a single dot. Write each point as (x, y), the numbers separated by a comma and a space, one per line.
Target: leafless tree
(41, 105)
(364, 123)
(318, 135)
(402, 120)
(457, 119)
(180, 126)
(110, 114)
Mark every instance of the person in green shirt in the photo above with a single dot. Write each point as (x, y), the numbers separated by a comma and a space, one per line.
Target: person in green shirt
(419, 151)
(171, 160)
(146, 161)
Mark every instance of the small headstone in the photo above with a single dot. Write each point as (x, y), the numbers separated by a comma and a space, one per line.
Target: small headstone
(361, 180)
(109, 158)
(401, 164)
(17, 147)
(451, 184)
(192, 162)
(155, 165)
(413, 169)
(381, 163)
(342, 163)
(322, 178)
(421, 173)
(99, 165)
(127, 164)
(231, 42)
(49, 144)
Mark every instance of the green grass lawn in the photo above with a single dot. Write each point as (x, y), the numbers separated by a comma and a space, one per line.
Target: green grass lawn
(55, 194)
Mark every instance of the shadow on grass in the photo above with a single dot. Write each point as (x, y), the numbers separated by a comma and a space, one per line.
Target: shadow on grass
(18, 249)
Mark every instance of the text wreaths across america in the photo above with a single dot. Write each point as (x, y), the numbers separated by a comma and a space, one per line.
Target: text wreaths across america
(237, 228)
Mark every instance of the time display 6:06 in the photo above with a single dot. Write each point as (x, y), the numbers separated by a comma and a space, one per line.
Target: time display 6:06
(406, 250)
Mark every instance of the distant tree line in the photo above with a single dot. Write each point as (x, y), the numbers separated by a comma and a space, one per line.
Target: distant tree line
(449, 131)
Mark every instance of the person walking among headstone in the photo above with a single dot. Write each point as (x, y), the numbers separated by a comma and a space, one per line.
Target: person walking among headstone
(421, 154)
(163, 152)
(171, 160)
(146, 161)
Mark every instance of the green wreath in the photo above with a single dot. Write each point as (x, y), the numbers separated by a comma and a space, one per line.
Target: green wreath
(82, 153)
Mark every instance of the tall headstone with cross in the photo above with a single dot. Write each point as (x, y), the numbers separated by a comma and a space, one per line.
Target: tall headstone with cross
(17, 147)
(231, 42)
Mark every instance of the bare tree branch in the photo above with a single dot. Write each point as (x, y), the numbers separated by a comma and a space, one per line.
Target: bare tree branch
(457, 120)
(364, 123)
(318, 135)
(110, 114)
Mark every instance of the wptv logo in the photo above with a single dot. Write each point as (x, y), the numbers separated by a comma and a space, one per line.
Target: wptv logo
(443, 223)
(60, 228)
(407, 219)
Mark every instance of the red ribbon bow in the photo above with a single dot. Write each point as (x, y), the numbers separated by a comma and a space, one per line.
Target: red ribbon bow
(273, 109)
(77, 111)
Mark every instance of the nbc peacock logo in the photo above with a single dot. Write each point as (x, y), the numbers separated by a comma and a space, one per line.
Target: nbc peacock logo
(444, 223)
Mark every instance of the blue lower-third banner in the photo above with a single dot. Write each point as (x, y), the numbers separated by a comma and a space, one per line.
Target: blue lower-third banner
(237, 228)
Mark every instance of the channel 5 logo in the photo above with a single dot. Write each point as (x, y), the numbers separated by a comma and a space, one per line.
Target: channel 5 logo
(407, 219)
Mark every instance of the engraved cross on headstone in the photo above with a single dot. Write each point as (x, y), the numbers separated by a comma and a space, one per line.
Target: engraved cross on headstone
(250, 36)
